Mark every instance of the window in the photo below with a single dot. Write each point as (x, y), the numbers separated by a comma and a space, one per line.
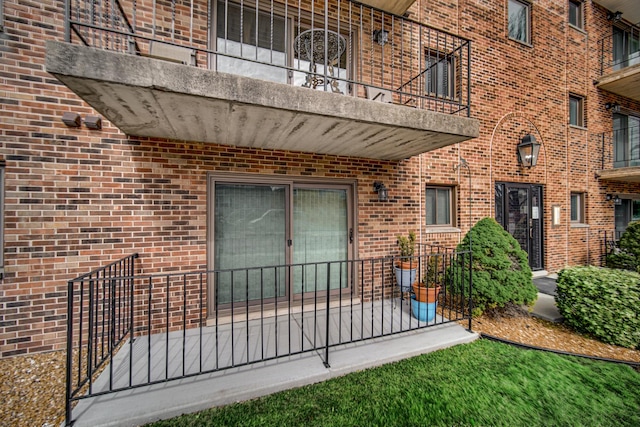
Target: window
(576, 110)
(626, 140)
(439, 75)
(269, 222)
(575, 14)
(628, 210)
(438, 206)
(519, 21)
(262, 46)
(577, 208)
(626, 48)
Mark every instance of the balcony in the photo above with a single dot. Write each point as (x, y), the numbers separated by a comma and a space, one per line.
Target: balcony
(620, 155)
(337, 78)
(620, 62)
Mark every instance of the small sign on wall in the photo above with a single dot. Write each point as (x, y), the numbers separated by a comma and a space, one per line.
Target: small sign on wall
(555, 216)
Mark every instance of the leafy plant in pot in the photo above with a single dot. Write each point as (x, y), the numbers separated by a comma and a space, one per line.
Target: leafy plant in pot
(424, 300)
(429, 288)
(406, 267)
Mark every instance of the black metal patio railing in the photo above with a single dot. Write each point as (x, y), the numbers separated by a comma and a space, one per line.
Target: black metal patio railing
(142, 330)
(99, 313)
(620, 49)
(332, 45)
(620, 147)
(608, 244)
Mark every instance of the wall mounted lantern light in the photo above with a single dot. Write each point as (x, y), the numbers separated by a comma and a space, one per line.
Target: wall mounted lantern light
(381, 37)
(71, 119)
(383, 193)
(616, 199)
(614, 16)
(528, 150)
(614, 107)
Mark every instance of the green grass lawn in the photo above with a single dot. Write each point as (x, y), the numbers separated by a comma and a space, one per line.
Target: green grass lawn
(479, 384)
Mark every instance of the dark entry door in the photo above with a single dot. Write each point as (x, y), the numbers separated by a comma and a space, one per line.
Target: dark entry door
(519, 211)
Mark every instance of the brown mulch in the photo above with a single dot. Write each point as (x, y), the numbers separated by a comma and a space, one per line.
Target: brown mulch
(32, 388)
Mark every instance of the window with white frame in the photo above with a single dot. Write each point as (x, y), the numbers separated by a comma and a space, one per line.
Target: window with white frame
(576, 110)
(439, 206)
(519, 21)
(577, 208)
(576, 14)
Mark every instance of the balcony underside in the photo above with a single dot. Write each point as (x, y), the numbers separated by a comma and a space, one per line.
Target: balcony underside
(397, 7)
(629, 8)
(625, 82)
(628, 174)
(154, 98)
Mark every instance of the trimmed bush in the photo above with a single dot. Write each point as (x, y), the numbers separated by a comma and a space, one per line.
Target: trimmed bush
(628, 256)
(601, 302)
(500, 270)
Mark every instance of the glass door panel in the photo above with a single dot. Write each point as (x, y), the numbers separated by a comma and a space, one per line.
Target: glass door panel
(518, 215)
(320, 229)
(262, 39)
(250, 231)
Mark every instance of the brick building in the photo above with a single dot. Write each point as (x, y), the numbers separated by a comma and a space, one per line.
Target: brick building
(190, 133)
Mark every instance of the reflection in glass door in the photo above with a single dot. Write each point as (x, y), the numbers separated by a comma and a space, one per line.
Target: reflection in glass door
(320, 235)
(519, 211)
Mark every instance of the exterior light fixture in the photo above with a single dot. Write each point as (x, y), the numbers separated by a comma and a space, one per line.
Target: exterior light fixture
(614, 16)
(614, 107)
(381, 37)
(616, 199)
(528, 150)
(93, 122)
(71, 119)
(383, 193)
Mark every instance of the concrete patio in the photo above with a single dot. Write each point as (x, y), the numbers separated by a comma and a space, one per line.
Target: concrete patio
(161, 356)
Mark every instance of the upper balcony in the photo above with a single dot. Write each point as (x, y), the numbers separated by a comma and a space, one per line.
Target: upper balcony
(332, 77)
(620, 61)
(621, 154)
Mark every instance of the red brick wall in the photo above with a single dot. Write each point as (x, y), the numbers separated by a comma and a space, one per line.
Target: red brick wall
(77, 199)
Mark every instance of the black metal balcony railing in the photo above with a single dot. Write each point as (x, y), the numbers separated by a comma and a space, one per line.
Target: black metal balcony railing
(620, 148)
(331, 45)
(144, 330)
(619, 50)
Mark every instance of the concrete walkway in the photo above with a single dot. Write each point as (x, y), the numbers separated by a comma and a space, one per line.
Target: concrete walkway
(161, 401)
(545, 306)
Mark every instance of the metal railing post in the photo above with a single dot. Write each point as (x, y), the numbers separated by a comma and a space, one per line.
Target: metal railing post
(326, 349)
(69, 377)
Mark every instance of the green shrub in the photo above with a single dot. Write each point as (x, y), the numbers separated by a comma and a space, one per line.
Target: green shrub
(627, 257)
(601, 302)
(500, 269)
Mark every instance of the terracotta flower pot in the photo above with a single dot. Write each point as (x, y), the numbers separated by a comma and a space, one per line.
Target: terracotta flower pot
(424, 294)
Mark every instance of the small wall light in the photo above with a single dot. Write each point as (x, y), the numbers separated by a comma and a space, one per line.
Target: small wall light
(381, 37)
(528, 150)
(614, 107)
(383, 193)
(71, 119)
(614, 16)
(93, 122)
(616, 199)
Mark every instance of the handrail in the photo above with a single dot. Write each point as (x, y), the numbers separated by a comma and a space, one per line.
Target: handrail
(400, 61)
(192, 323)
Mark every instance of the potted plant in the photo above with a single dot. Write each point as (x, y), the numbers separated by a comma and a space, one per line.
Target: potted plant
(406, 266)
(424, 300)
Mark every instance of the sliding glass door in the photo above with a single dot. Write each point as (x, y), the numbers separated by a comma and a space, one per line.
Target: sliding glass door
(258, 228)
